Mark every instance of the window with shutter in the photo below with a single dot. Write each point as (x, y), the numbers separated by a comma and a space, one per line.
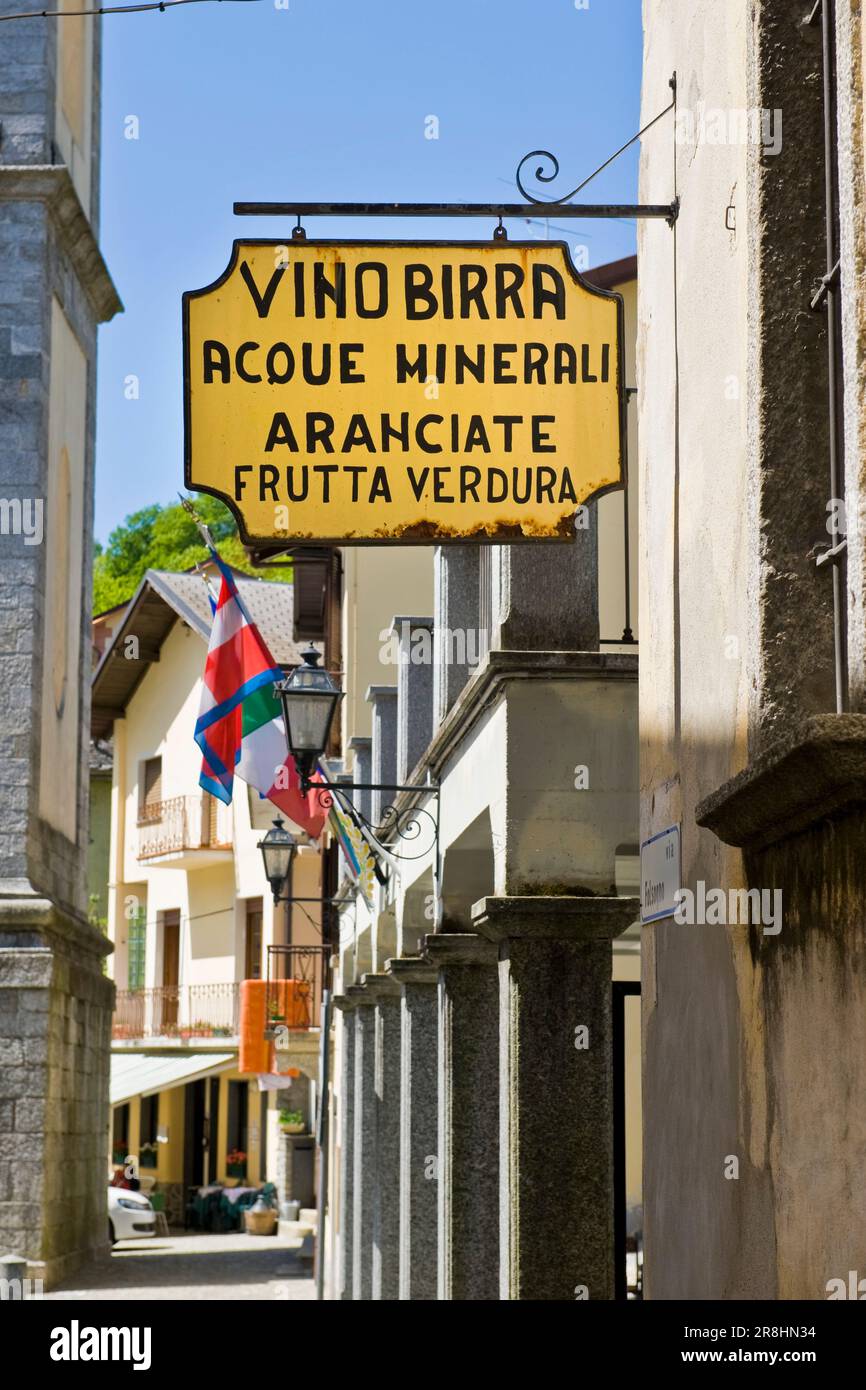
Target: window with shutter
(151, 789)
(135, 950)
(310, 582)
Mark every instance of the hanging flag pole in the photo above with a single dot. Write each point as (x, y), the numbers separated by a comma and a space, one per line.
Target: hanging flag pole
(199, 524)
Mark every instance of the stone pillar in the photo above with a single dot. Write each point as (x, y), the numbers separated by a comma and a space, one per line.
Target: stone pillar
(556, 1133)
(456, 643)
(364, 1143)
(55, 1000)
(386, 1176)
(468, 1146)
(347, 1145)
(383, 698)
(414, 692)
(362, 769)
(545, 597)
(419, 1187)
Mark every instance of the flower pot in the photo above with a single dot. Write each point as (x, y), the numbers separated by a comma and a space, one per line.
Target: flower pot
(293, 1129)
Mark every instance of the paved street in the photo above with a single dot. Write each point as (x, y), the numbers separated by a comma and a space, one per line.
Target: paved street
(193, 1266)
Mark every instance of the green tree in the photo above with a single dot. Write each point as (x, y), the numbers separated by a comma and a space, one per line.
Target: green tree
(164, 538)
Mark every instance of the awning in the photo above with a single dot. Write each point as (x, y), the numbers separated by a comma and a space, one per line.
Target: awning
(140, 1074)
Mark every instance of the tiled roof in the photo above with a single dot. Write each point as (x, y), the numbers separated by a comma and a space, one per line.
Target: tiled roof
(270, 605)
(160, 600)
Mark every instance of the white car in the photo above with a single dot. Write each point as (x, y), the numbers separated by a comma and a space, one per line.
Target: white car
(130, 1215)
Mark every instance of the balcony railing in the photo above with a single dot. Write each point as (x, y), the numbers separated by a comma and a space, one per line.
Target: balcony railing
(296, 977)
(183, 823)
(190, 1012)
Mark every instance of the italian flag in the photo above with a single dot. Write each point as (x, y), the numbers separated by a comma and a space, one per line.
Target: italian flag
(240, 724)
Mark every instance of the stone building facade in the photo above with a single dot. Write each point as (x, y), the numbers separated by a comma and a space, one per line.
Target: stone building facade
(55, 1001)
(751, 714)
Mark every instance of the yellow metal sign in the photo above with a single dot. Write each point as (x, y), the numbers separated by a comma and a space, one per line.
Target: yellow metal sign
(377, 392)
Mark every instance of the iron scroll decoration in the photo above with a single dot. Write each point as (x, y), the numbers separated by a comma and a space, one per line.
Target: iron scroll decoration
(542, 177)
(413, 826)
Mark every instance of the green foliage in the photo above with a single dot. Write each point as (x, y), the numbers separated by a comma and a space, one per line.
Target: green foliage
(164, 538)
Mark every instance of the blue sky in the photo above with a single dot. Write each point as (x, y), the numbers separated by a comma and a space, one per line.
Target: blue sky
(326, 100)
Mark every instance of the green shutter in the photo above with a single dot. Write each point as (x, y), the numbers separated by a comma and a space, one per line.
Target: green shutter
(135, 953)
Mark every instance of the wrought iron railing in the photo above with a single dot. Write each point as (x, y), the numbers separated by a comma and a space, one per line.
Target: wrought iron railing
(190, 1012)
(183, 822)
(296, 978)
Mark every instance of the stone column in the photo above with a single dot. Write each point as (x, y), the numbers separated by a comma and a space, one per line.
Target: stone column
(556, 1131)
(414, 692)
(383, 698)
(468, 1147)
(456, 644)
(545, 597)
(419, 1187)
(55, 1000)
(347, 1145)
(362, 769)
(386, 1174)
(363, 1143)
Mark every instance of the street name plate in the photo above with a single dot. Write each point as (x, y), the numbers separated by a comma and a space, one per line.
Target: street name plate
(660, 872)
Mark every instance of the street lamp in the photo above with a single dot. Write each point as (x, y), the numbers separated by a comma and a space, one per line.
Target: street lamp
(309, 699)
(278, 850)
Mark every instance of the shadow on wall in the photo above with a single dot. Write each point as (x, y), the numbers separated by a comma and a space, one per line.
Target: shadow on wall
(467, 873)
(754, 1035)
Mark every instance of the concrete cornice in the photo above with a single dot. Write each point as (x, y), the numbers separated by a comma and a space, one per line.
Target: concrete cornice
(498, 669)
(398, 622)
(52, 184)
(816, 771)
(557, 918)
(380, 692)
(25, 910)
(412, 970)
(358, 996)
(381, 986)
(460, 948)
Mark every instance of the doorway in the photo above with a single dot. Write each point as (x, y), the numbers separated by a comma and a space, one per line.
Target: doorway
(193, 1134)
(170, 968)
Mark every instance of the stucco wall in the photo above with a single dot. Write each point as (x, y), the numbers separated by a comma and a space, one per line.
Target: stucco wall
(692, 384)
(749, 1040)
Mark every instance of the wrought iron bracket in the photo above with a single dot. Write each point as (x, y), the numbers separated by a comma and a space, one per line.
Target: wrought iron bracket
(562, 207)
(400, 830)
(666, 211)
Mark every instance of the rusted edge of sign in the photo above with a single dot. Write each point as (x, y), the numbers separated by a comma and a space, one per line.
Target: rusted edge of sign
(422, 532)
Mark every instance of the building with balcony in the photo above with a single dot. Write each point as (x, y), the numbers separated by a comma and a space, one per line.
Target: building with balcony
(192, 917)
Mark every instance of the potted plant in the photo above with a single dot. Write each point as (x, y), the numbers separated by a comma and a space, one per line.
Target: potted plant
(236, 1164)
(292, 1122)
(118, 1155)
(274, 1020)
